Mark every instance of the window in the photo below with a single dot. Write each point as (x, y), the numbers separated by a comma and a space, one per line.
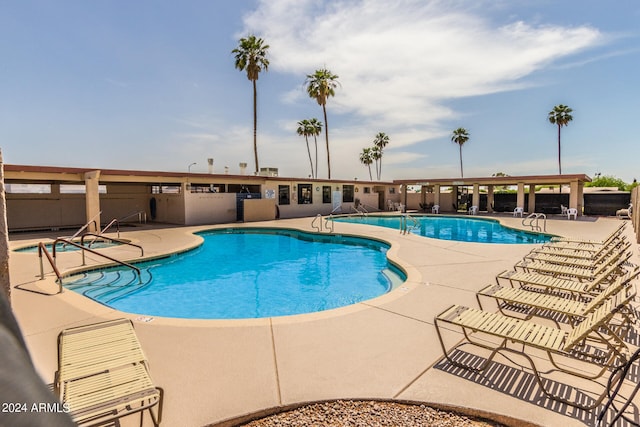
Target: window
(79, 189)
(347, 193)
(284, 195)
(392, 190)
(367, 190)
(326, 194)
(166, 189)
(304, 194)
(28, 188)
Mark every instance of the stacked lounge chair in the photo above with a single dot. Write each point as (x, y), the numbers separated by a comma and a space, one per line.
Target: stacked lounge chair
(590, 292)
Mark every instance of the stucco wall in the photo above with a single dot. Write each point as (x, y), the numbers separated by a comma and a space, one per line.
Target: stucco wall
(209, 208)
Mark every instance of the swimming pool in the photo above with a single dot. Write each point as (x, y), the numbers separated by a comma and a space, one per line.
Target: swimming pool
(479, 230)
(248, 273)
(61, 247)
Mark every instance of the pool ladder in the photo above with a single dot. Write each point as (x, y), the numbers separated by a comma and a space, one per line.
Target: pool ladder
(328, 223)
(404, 223)
(534, 221)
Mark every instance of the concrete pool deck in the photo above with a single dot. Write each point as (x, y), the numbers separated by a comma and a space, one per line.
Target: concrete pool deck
(385, 348)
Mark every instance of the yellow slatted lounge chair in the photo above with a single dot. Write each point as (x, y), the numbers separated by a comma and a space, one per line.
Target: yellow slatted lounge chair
(103, 374)
(583, 244)
(579, 262)
(569, 345)
(572, 285)
(541, 304)
(575, 252)
(570, 271)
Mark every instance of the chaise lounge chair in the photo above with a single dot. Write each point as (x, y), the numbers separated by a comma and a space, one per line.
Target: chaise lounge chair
(591, 252)
(103, 374)
(569, 242)
(585, 345)
(540, 304)
(583, 259)
(565, 285)
(580, 272)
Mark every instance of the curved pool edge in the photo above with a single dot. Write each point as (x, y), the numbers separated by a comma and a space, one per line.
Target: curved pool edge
(413, 279)
(498, 220)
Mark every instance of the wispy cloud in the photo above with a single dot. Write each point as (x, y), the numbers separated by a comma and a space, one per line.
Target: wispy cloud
(400, 63)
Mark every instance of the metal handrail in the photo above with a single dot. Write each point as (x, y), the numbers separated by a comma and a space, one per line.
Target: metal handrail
(404, 223)
(84, 248)
(141, 214)
(42, 248)
(536, 217)
(113, 239)
(92, 220)
(326, 223)
(106, 227)
(313, 223)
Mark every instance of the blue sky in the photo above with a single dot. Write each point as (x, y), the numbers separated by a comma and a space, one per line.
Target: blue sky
(151, 84)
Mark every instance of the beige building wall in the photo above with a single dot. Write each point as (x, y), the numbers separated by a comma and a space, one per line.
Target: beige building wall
(259, 210)
(209, 208)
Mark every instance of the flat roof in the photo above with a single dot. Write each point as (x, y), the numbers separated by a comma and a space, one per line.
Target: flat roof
(498, 180)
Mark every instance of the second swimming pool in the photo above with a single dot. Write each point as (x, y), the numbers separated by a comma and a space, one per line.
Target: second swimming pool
(479, 230)
(248, 273)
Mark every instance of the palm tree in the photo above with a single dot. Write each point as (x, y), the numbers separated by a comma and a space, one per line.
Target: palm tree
(304, 129)
(315, 129)
(460, 136)
(366, 159)
(561, 116)
(321, 85)
(380, 142)
(251, 56)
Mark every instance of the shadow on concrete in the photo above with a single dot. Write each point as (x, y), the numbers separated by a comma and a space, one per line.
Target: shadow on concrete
(516, 382)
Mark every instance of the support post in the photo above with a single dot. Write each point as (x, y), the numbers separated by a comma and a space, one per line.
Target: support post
(92, 199)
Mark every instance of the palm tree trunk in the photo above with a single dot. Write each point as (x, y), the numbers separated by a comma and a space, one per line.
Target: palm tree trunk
(559, 165)
(309, 152)
(326, 135)
(315, 141)
(255, 126)
(461, 172)
(370, 177)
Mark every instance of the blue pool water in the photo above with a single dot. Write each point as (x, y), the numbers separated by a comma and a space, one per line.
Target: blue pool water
(248, 273)
(454, 228)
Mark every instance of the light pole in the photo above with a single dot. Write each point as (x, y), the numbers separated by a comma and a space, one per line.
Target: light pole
(189, 173)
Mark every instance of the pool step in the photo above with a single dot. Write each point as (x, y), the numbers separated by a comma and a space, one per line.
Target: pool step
(109, 287)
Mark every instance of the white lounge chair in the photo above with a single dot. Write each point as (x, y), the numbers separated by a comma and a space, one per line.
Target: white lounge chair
(518, 211)
(473, 210)
(572, 212)
(435, 209)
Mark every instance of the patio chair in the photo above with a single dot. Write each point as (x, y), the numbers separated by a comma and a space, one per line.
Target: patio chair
(540, 304)
(518, 212)
(435, 209)
(103, 374)
(625, 213)
(566, 285)
(585, 345)
(473, 210)
(572, 212)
